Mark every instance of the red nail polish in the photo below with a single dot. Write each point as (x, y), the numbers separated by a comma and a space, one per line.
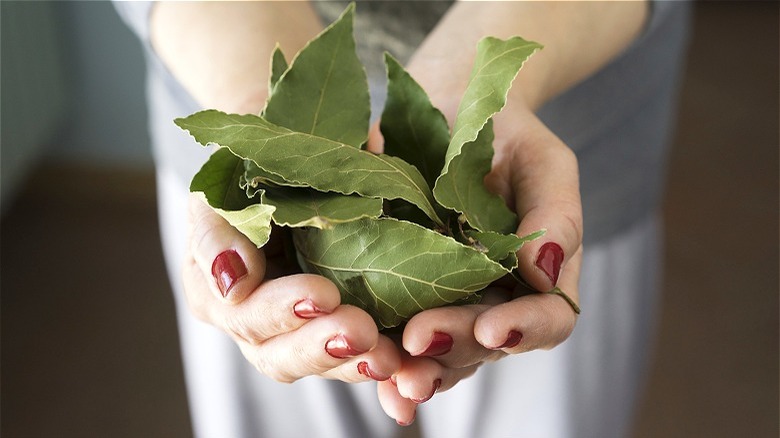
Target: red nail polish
(436, 385)
(366, 371)
(306, 309)
(227, 269)
(549, 260)
(339, 347)
(441, 343)
(512, 339)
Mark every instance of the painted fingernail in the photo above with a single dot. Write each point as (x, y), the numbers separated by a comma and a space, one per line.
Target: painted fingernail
(366, 371)
(227, 269)
(549, 260)
(436, 385)
(441, 343)
(512, 339)
(339, 347)
(306, 309)
(407, 423)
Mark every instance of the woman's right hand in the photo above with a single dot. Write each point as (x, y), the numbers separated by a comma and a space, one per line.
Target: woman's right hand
(288, 327)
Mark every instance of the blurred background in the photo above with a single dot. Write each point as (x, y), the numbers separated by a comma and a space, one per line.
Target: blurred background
(88, 337)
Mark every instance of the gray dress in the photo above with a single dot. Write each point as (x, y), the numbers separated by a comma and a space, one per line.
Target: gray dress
(618, 122)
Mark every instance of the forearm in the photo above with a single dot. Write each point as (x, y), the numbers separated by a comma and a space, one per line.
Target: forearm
(220, 51)
(579, 38)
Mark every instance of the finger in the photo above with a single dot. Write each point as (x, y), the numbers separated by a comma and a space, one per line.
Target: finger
(530, 322)
(231, 264)
(280, 306)
(420, 378)
(447, 333)
(401, 409)
(550, 201)
(544, 177)
(275, 307)
(318, 346)
(378, 364)
(376, 142)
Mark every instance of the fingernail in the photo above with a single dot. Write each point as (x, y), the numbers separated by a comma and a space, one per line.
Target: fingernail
(407, 423)
(339, 347)
(436, 385)
(512, 339)
(366, 371)
(306, 309)
(227, 269)
(441, 343)
(549, 260)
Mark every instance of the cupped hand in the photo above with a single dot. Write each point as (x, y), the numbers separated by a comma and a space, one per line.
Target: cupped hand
(288, 326)
(537, 174)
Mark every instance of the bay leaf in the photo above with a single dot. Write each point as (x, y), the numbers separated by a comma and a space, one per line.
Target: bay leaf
(495, 67)
(413, 129)
(394, 269)
(324, 91)
(217, 184)
(463, 188)
(501, 248)
(256, 179)
(317, 162)
(306, 207)
(278, 67)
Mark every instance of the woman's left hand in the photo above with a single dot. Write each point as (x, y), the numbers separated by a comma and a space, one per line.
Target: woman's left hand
(537, 174)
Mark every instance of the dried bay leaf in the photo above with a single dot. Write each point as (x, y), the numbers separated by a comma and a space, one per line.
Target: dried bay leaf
(324, 91)
(412, 127)
(317, 162)
(395, 269)
(278, 67)
(305, 207)
(465, 189)
(286, 206)
(469, 156)
(217, 182)
(501, 248)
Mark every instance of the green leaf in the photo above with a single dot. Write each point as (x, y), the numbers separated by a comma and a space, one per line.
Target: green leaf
(305, 207)
(217, 183)
(496, 65)
(324, 92)
(395, 269)
(278, 67)
(320, 163)
(255, 179)
(501, 248)
(412, 127)
(463, 189)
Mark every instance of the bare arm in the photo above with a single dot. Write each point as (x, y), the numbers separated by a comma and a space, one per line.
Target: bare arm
(219, 51)
(579, 39)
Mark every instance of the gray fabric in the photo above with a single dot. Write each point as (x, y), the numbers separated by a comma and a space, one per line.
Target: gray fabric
(619, 124)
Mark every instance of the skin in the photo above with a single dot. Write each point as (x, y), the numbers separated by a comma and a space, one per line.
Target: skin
(533, 170)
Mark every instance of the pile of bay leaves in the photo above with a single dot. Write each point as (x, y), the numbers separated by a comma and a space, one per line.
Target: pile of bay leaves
(399, 232)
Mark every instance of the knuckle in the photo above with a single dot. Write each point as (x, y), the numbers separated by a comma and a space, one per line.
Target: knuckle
(559, 324)
(275, 373)
(240, 331)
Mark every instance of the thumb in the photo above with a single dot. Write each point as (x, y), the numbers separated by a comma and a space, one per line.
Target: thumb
(231, 262)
